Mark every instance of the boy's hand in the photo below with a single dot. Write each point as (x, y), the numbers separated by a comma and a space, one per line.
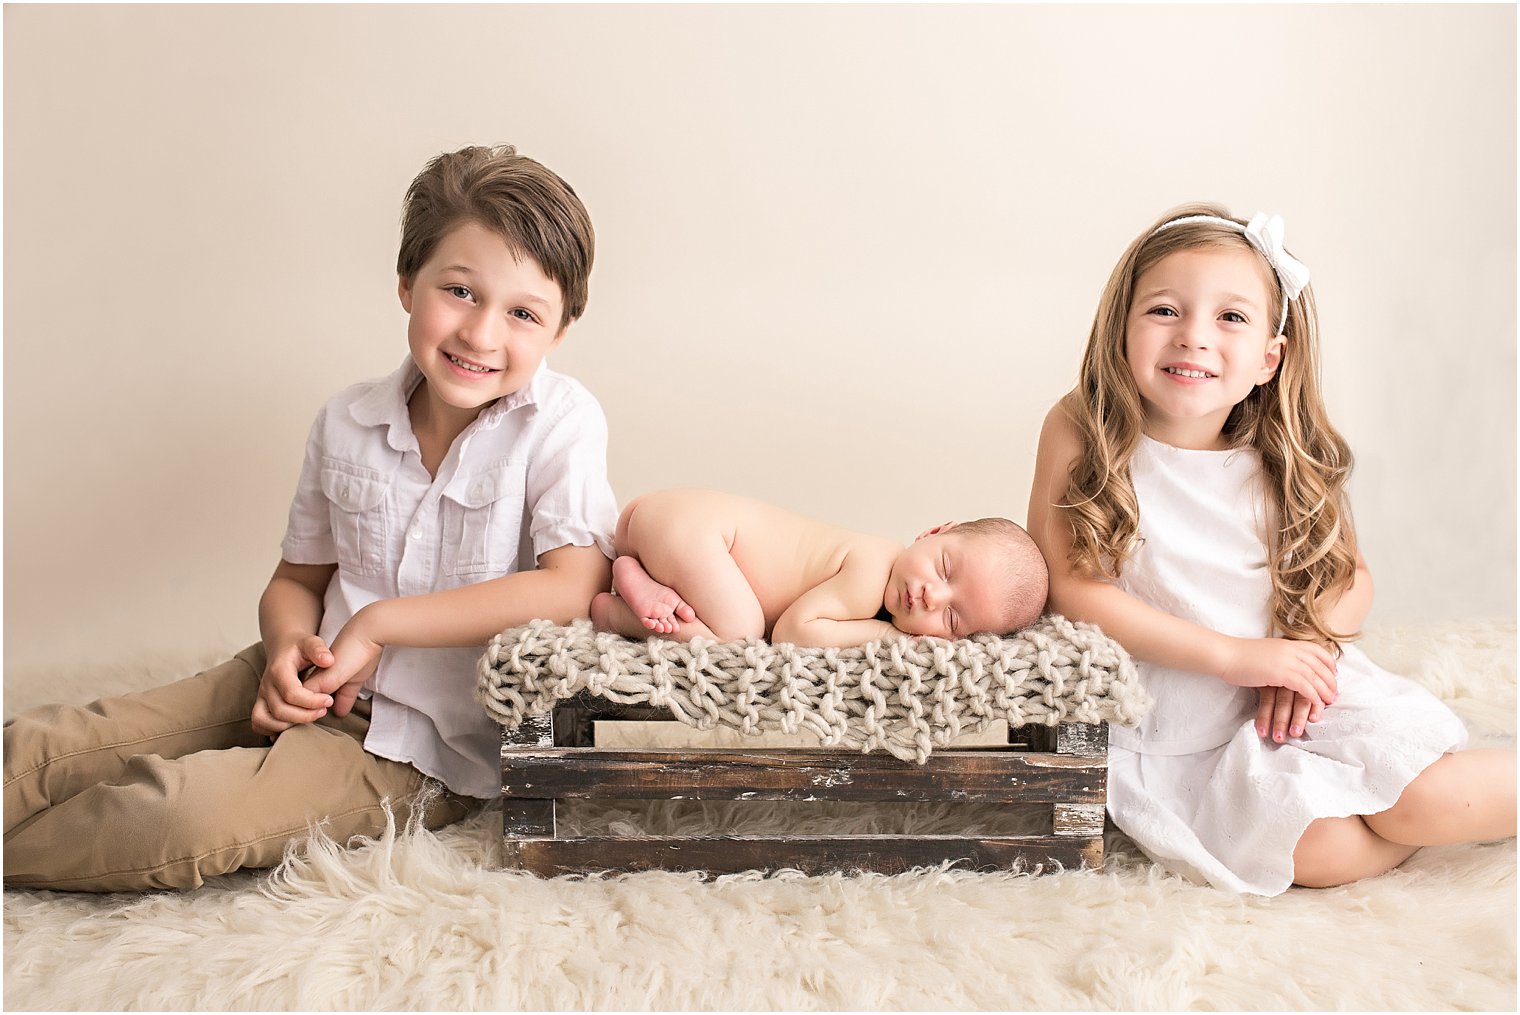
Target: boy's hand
(1281, 713)
(283, 701)
(355, 656)
(1300, 666)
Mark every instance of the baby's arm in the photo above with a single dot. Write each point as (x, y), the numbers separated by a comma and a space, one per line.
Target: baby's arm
(1147, 633)
(840, 611)
(290, 611)
(560, 590)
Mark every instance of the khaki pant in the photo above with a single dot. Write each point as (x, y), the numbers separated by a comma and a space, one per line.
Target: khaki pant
(165, 788)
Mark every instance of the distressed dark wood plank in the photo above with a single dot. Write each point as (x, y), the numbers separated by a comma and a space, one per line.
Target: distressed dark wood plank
(723, 854)
(572, 727)
(1080, 739)
(981, 776)
(601, 708)
(1077, 819)
(1032, 737)
(527, 818)
(533, 731)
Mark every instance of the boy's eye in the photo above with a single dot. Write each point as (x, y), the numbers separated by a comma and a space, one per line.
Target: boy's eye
(463, 292)
(524, 315)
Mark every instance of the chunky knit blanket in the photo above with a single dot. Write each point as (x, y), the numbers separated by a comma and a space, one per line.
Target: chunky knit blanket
(904, 695)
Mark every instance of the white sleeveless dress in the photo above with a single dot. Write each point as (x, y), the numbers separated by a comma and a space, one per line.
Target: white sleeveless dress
(1194, 786)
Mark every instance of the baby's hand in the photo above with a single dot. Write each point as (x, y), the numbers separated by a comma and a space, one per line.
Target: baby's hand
(1282, 713)
(1300, 666)
(283, 701)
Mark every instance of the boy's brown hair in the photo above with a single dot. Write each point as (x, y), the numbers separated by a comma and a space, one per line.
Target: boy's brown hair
(522, 201)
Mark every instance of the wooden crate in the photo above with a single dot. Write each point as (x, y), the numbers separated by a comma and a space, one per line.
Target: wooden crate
(548, 759)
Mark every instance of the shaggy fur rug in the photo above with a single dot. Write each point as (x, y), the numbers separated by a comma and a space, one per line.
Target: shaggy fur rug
(418, 920)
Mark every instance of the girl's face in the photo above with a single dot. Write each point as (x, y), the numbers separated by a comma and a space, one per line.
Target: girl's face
(1198, 339)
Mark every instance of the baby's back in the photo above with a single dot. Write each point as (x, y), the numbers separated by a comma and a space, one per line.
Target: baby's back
(782, 553)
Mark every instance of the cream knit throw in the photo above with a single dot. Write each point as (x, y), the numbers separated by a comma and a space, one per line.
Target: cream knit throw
(904, 696)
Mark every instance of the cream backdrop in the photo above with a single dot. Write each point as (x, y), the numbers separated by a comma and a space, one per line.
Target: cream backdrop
(847, 257)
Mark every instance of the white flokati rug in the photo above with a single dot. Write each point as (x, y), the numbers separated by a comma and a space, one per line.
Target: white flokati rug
(424, 921)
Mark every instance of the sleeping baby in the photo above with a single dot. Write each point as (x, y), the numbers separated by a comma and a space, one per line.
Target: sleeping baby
(699, 563)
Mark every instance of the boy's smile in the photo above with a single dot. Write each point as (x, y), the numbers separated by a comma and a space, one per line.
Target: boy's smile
(482, 320)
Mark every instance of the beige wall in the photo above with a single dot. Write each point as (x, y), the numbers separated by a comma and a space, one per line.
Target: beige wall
(847, 257)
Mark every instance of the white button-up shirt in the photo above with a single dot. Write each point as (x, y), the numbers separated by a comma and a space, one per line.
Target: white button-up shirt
(528, 476)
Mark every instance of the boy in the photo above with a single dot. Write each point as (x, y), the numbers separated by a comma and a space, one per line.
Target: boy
(424, 502)
(698, 563)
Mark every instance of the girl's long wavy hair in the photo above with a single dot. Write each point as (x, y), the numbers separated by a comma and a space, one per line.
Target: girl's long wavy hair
(1305, 462)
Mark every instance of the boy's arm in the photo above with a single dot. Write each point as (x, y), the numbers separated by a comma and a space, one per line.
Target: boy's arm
(838, 612)
(561, 589)
(1145, 632)
(290, 611)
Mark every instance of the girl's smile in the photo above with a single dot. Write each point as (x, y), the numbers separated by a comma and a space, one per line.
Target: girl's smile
(1198, 339)
(1187, 372)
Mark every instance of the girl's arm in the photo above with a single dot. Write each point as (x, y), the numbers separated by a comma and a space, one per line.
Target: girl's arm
(1147, 633)
(561, 589)
(1349, 612)
(1283, 714)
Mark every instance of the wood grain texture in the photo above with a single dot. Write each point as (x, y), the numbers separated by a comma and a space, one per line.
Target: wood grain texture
(964, 776)
(549, 759)
(725, 854)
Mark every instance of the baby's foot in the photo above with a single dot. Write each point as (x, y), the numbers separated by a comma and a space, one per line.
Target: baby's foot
(657, 606)
(602, 605)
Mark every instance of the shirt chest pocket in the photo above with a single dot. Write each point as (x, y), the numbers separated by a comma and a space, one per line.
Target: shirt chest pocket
(482, 522)
(360, 525)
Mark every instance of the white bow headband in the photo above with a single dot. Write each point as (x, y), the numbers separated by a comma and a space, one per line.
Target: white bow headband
(1265, 233)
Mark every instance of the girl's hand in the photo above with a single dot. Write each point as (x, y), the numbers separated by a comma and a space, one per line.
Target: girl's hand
(1300, 666)
(355, 654)
(283, 701)
(1282, 713)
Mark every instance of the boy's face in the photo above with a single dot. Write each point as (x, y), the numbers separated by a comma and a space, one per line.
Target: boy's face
(941, 586)
(481, 320)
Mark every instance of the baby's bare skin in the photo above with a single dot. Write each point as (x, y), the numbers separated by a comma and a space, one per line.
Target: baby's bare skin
(701, 563)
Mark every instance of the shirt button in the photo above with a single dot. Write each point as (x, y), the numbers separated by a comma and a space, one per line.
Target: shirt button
(416, 533)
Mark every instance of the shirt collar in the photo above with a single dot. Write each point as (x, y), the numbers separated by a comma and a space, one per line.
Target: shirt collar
(385, 403)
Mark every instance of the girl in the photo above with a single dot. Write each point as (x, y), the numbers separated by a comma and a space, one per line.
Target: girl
(1189, 496)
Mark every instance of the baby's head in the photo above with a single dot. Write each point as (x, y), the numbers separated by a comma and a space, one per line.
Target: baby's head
(527, 205)
(966, 578)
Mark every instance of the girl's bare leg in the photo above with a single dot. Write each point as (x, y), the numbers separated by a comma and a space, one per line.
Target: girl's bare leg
(1468, 796)
(1338, 851)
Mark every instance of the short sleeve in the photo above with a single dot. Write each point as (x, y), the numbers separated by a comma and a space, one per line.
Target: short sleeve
(569, 499)
(308, 531)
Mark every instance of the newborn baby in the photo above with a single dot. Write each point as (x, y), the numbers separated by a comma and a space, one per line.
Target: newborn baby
(699, 563)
